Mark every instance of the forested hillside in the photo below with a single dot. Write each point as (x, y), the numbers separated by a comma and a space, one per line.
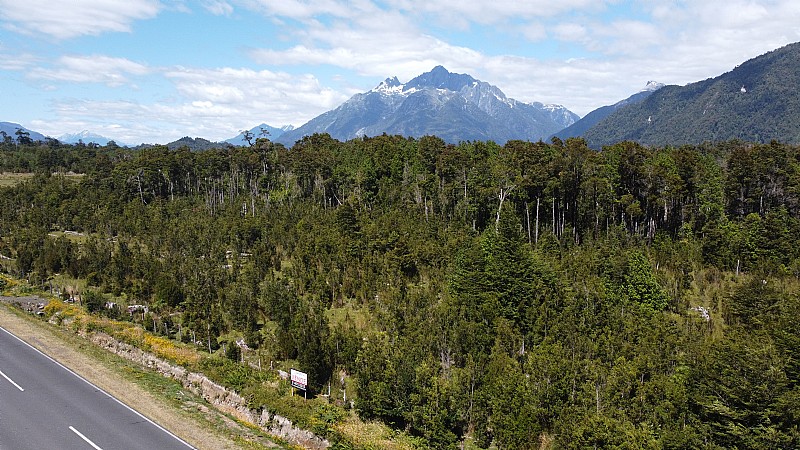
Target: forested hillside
(756, 101)
(531, 295)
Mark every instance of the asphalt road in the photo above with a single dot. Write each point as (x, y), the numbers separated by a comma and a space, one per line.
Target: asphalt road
(44, 405)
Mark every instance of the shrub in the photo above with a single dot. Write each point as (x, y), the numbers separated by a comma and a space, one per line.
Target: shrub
(93, 301)
(166, 349)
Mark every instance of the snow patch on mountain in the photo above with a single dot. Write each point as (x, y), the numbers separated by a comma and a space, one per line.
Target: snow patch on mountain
(389, 86)
(652, 86)
(450, 105)
(86, 137)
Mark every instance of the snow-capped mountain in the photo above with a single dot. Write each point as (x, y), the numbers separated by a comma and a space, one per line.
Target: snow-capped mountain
(86, 137)
(593, 118)
(274, 133)
(455, 107)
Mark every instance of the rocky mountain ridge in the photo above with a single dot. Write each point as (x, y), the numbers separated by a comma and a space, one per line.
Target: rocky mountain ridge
(453, 106)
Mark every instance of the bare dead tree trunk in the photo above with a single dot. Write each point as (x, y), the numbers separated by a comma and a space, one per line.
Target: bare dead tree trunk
(502, 195)
(528, 216)
(139, 182)
(536, 240)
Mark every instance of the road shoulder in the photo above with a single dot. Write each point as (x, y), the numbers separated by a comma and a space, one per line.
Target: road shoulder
(107, 372)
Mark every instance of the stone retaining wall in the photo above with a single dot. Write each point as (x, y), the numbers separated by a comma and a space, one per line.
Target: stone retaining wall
(221, 397)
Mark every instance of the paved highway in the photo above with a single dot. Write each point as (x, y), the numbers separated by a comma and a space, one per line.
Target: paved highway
(44, 405)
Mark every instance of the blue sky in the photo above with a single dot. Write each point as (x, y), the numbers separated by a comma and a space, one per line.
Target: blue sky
(157, 70)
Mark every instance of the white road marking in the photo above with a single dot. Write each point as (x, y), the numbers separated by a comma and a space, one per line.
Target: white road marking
(85, 438)
(11, 381)
(98, 389)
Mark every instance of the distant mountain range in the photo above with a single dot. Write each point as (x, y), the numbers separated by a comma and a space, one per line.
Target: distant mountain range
(257, 132)
(193, 144)
(10, 129)
(200, 144)
(452, 106)
(758, 101)
(588, 121)
(86, 137)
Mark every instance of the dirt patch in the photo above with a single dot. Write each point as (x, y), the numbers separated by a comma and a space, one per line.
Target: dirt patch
(61, 346)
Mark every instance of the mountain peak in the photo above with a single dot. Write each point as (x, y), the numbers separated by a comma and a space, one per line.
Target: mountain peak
(389, 86)
(652, 86)
(258, 131)
(440, 78)
(86, 137)
(455, 107)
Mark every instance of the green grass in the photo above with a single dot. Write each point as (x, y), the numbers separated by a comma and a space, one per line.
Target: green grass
(13, 179)
(76, 238)
(358, 316)
(10, 179)
(7, 265)
(65, 282)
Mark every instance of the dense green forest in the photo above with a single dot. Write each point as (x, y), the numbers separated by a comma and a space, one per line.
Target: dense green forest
(531, 295)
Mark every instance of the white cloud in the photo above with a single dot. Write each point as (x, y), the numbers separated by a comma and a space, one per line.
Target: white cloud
(381, 43)
(17, 62)
(570, 32)
(68, 19)
(91, 69)
(617, 52)
(608, 55)
(212, 103)
(218, 7)
(104, 118)
(687, 42)
(630, 38)
(533, 31)
(258, 91)
(133, 122)
(304, 9)
(496, 11)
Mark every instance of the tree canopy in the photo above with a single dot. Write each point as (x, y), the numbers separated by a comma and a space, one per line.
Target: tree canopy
(524, 296)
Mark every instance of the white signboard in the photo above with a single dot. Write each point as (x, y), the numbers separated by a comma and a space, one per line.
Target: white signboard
(299, 379)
